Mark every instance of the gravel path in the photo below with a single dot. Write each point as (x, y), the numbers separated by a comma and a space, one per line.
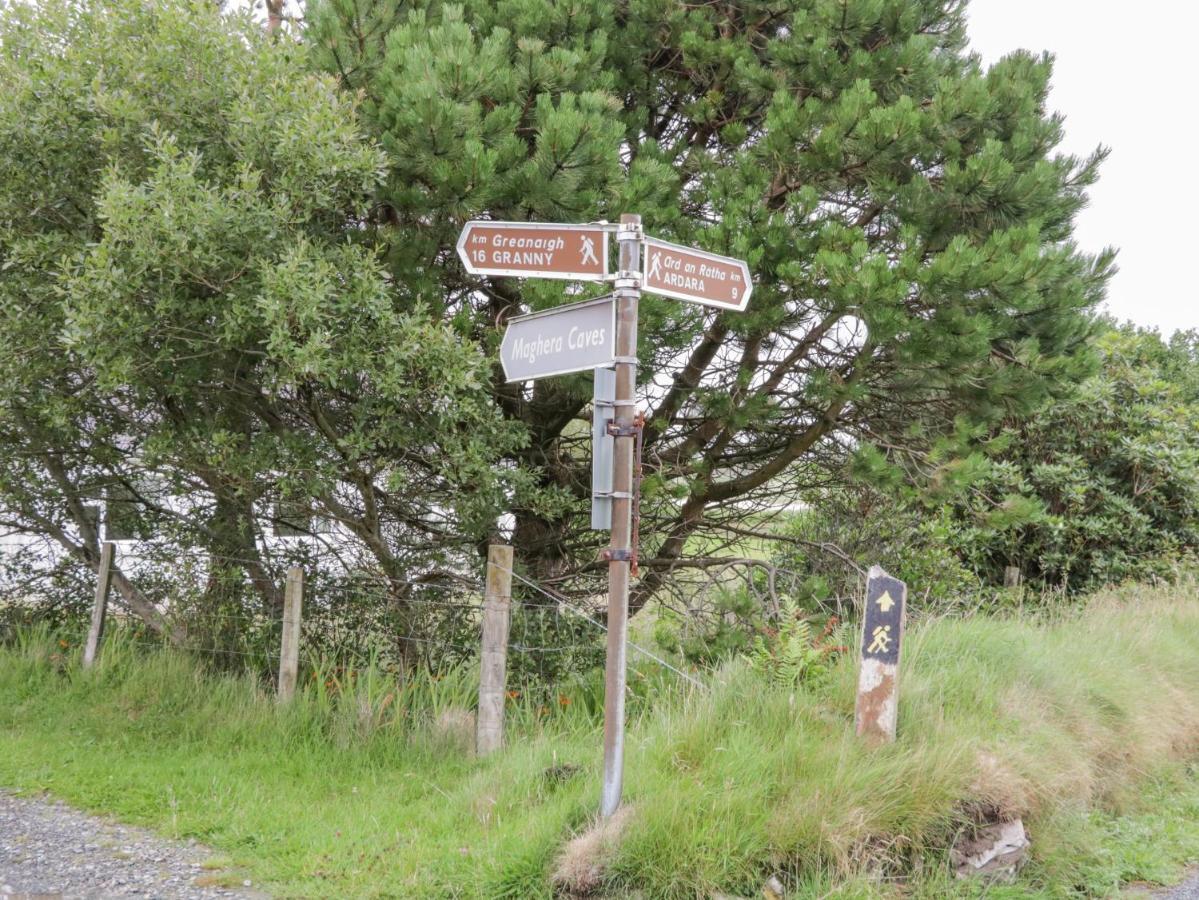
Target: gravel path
(50, 851)
(1188, 890)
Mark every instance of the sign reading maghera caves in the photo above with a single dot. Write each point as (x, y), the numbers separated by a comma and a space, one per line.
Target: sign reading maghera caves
(695, 275)
(535, 250)
(570, 338)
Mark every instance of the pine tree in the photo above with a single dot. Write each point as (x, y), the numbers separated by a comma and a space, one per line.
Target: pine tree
(904, 211)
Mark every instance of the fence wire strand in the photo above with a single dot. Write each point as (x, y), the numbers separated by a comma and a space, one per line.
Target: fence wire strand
(564, 602)
(453, 603)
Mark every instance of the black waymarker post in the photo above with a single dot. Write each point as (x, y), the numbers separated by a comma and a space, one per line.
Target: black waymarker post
(882, 633)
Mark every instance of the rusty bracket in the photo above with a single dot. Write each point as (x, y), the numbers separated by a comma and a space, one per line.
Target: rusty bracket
(637, 431)
(623, 554)
(638, 472)
(615, 429)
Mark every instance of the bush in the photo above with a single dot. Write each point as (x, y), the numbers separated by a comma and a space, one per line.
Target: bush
(848, 531)
(1103, 485)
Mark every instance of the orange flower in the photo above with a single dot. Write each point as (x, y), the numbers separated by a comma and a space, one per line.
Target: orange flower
(64, 644)
(512, 695)
(563, 700)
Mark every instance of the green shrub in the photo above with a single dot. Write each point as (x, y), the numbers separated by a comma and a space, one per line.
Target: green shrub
(845, 532)
(1103, 485)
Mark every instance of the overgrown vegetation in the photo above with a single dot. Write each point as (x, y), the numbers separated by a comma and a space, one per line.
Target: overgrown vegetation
(1102, 485)
(196, 342)
(365, 786)
(231, 302)
(1098, 487)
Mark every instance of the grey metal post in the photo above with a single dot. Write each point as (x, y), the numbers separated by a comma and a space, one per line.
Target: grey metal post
(493, 662)
(628, 292)
(289, 652)
(95, 633)
(603, 405)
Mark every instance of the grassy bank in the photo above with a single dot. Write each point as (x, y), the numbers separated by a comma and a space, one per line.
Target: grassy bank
(1083, 726)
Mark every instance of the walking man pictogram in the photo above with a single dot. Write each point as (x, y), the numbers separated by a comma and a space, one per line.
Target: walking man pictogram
(882, 640)
(655, 266)
(589, 251)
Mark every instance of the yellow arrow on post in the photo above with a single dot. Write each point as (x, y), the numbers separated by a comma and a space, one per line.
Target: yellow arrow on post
(886, 601)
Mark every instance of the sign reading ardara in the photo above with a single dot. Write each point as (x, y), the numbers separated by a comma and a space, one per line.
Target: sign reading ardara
(535, 250)
(695, 275)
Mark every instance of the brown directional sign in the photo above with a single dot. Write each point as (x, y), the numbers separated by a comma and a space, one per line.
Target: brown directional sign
(535, 250)
(695, 275)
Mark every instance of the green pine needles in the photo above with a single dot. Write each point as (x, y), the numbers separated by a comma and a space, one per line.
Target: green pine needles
(905, 213)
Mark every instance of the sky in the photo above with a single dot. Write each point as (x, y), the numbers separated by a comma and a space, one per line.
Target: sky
(1126, 77)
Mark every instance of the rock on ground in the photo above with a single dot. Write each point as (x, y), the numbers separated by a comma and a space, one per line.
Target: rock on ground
(996, 851)
(50, 851)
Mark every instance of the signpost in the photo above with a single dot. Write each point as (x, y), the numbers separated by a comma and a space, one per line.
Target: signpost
(602, 335)
(535, 250)
(556, 341)
(878, 681)
(620, 550)
(695, 275)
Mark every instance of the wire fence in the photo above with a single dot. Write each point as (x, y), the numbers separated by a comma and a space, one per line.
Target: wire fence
(351, 621)
(227, 610)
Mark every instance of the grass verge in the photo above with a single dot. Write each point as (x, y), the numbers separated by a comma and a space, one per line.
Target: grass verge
(1083, 726)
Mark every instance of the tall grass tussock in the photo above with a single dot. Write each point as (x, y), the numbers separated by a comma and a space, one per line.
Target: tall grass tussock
(367, 786)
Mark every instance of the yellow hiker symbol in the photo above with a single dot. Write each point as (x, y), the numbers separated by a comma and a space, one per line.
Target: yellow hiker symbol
(882, 639)
(886, 601)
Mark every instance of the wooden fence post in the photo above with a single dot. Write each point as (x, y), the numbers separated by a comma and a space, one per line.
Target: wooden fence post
(1011, 576)
(289, 652)
(95, 633)
(878, 680)
(493, 662)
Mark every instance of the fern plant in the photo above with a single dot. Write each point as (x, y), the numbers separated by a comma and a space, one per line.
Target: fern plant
(792, 654)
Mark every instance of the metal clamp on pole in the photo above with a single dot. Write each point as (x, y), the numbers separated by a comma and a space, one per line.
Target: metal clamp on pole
(621, 554)
(615, 429)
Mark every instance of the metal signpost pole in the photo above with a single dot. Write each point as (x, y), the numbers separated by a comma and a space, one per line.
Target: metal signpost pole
(579, 336)
(628, 292)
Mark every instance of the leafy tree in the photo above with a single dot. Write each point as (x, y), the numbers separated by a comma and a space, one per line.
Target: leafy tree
(179, 299)
(904, 211)
(1103, 484)
(846, 531)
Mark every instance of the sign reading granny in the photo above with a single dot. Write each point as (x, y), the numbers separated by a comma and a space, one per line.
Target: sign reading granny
(571, 338)
(535, 250)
